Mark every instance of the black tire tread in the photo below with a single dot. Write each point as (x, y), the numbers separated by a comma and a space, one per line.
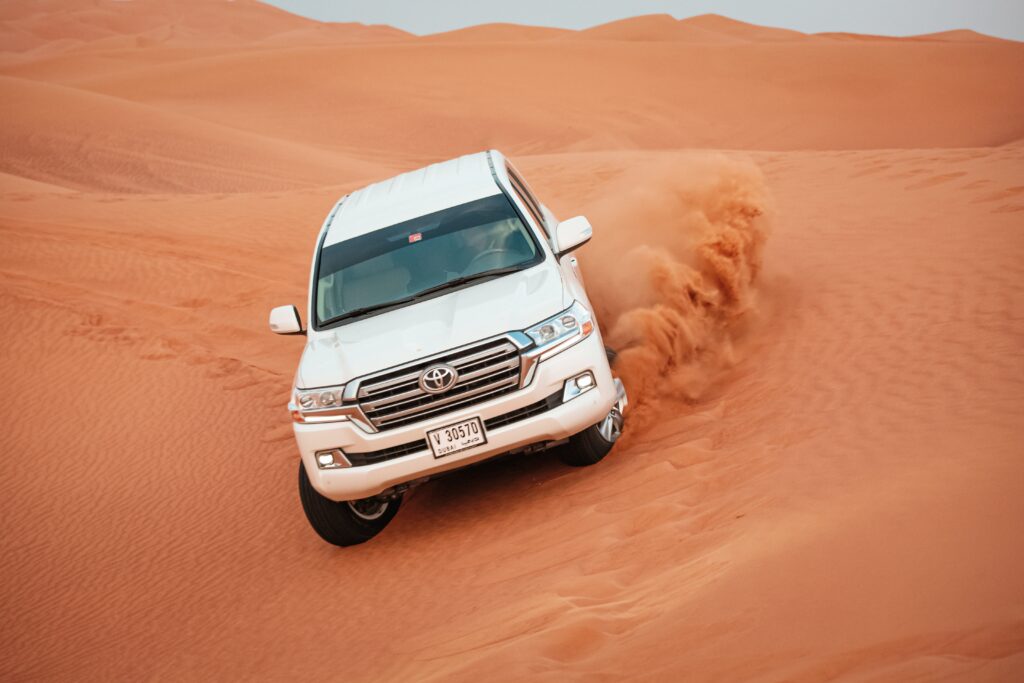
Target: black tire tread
(586, 448)
(335, 522)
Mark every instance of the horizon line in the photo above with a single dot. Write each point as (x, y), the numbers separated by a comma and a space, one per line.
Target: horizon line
(288, 6)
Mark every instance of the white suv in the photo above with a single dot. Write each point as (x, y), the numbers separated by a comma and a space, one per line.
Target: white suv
(448, 324)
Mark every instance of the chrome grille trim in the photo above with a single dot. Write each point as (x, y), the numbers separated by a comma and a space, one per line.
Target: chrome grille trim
(416, 393)
(463, 361)
(486, 369)
(383, 386)
(446, 403)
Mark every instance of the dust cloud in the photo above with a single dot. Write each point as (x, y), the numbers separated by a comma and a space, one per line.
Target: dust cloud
(674, 273)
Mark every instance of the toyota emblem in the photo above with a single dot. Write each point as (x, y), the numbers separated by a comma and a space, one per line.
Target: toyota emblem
(437, 379)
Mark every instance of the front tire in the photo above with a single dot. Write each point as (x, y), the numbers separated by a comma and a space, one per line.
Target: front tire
(348, 522)
(593, 443)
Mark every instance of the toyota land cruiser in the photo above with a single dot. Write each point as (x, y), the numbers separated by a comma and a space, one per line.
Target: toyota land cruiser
(448, 324)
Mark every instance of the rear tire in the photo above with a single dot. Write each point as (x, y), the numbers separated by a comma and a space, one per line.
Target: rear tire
(593, 443)
(348, 522)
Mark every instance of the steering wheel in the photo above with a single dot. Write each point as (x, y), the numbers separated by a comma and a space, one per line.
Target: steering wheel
(481, 256)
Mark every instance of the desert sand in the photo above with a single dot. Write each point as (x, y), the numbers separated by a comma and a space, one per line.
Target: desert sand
(808, 247)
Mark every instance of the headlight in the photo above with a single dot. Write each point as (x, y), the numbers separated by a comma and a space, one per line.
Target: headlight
(311, 403)
(563, 330)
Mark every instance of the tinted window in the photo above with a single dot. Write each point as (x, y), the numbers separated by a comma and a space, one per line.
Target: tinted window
(397, 262)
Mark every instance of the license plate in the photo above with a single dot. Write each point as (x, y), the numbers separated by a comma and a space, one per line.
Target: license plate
(456, 437)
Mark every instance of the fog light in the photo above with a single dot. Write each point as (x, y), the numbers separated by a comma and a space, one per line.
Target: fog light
(331, 460)
(575, 386)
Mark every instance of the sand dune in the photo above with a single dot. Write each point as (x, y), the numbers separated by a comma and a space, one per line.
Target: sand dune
(707, 28)
(71, 138)
(110, 23)
(822, 474)
(500, 32)
(580, 95)
(572, 93)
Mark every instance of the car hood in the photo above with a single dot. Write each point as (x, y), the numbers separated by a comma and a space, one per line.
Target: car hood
(507, 303)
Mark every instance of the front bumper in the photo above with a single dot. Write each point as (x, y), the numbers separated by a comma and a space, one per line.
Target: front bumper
(560, 422)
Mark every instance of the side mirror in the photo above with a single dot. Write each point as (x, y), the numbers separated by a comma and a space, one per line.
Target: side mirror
(285, 320)
(572, 233)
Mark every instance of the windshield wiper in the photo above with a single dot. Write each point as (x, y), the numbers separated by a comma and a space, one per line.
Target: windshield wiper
(457, 282)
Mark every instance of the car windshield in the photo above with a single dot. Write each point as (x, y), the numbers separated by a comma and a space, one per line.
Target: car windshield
(398, 262)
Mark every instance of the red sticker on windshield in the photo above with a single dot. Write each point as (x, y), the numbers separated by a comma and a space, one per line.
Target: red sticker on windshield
(415, 237)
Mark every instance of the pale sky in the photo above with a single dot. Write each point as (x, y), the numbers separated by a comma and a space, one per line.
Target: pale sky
(1004, 18)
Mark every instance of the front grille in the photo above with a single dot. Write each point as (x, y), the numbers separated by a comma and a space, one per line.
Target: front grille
(373, 457)
(541, 406)
(486, 370)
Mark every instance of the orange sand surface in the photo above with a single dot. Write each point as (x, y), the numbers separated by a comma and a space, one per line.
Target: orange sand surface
(823, 472)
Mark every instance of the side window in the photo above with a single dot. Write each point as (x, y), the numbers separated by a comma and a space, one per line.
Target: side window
(524, 195)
